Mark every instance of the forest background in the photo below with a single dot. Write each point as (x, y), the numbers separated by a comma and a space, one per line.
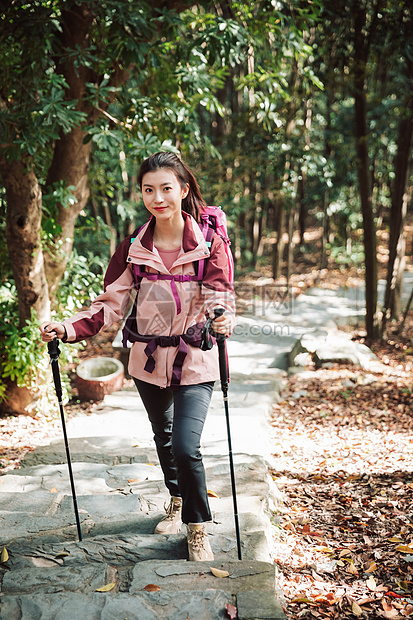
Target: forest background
(295, 116)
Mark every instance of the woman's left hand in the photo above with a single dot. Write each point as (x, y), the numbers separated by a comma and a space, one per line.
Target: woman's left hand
(223, 324)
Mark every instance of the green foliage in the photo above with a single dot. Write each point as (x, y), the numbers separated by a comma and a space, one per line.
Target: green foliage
(21, 357)
(82, 282)
(342, 256)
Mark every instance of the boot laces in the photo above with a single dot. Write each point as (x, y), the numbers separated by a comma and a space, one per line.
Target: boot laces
(197, 538)
(171, 509)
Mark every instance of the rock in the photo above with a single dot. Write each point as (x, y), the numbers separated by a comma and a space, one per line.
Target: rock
(300, 394)
(335, 347)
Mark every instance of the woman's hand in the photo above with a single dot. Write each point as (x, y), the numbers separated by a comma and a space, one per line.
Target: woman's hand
(223, 324)
(51, 330)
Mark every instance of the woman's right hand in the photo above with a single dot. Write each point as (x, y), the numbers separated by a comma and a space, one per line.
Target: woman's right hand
(51, 330)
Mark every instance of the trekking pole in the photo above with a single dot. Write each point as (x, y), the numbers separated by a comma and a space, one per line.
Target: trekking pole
(54, 352)
(223, 371)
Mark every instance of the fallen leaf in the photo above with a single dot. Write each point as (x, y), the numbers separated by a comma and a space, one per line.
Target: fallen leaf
(323, 549)
(4, 555)
(133, 480)
(152, 587)
(218, 572)
(395, 539)
(356, 609)
(212, 494)
(371, 584)
(62, 554)
(372, 567)
(106, 588)
(404, 548)
(325, 599)
(231, 611)
(53, 490)
(389, 611)
(364, 601)
(352, 569)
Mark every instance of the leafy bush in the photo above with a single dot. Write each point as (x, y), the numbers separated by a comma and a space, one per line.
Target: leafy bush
(82, 282)
(341, 256)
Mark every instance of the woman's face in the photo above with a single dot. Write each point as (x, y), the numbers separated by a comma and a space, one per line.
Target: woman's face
(162, 194)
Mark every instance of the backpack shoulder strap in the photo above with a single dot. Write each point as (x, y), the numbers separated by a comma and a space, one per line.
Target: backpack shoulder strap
(137, 270)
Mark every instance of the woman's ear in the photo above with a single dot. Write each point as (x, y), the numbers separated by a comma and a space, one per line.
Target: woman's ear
(185, 191)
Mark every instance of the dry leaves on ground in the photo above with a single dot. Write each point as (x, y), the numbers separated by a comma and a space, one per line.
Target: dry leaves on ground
(343, 460)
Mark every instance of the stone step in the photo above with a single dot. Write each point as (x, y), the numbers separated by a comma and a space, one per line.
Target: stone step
(23, 532)
(109, 450)
(174, 590)
(139, 478)
(194, 605)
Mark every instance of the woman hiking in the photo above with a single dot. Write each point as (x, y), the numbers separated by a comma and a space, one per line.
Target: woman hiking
(174, 377)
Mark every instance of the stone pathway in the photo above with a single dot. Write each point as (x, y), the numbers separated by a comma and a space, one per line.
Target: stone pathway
(120, 494)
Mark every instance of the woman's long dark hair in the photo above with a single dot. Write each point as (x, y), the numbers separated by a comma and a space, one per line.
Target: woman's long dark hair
(193, 203)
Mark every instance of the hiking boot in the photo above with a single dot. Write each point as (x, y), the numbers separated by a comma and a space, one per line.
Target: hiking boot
(172, 521)
(199, 549)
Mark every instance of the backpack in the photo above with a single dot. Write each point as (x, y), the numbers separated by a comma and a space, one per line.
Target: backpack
(214, 220)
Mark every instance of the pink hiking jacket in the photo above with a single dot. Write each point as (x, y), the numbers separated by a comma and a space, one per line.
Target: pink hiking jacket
(164, 307)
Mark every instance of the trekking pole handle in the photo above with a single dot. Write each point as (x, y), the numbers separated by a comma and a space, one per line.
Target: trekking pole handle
(222, 353)
(54, 352)
(53, 349)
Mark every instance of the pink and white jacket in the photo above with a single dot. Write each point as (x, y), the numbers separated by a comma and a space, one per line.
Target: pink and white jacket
(164, 308)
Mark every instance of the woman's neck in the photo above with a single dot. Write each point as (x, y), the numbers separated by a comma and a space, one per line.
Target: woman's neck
(168, 234)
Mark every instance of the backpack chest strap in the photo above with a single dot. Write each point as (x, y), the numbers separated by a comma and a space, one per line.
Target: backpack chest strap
(153, 277)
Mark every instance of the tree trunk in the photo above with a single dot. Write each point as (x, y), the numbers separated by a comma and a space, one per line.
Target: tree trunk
(23, 234)
(325, 230)
(302, 213)
(290, 248)
(278, 250)
(399, 209)
(361, 134)
(70, 164)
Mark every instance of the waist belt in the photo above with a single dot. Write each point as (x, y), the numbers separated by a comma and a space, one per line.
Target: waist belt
(192, 337)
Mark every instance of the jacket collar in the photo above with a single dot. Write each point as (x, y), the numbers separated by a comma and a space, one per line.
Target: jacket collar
(192, 239)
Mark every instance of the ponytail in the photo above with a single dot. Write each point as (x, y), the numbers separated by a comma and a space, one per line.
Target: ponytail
(193, 203)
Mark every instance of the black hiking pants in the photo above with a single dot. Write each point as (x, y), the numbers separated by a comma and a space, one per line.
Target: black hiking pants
(177, 418)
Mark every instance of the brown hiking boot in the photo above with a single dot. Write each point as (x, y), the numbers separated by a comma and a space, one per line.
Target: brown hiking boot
(172, 521)
(199, 549)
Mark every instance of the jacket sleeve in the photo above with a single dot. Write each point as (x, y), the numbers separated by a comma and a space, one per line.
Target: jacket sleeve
(111, 305)
(217, 289)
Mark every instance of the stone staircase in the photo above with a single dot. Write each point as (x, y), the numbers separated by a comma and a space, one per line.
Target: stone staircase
(50, 575)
